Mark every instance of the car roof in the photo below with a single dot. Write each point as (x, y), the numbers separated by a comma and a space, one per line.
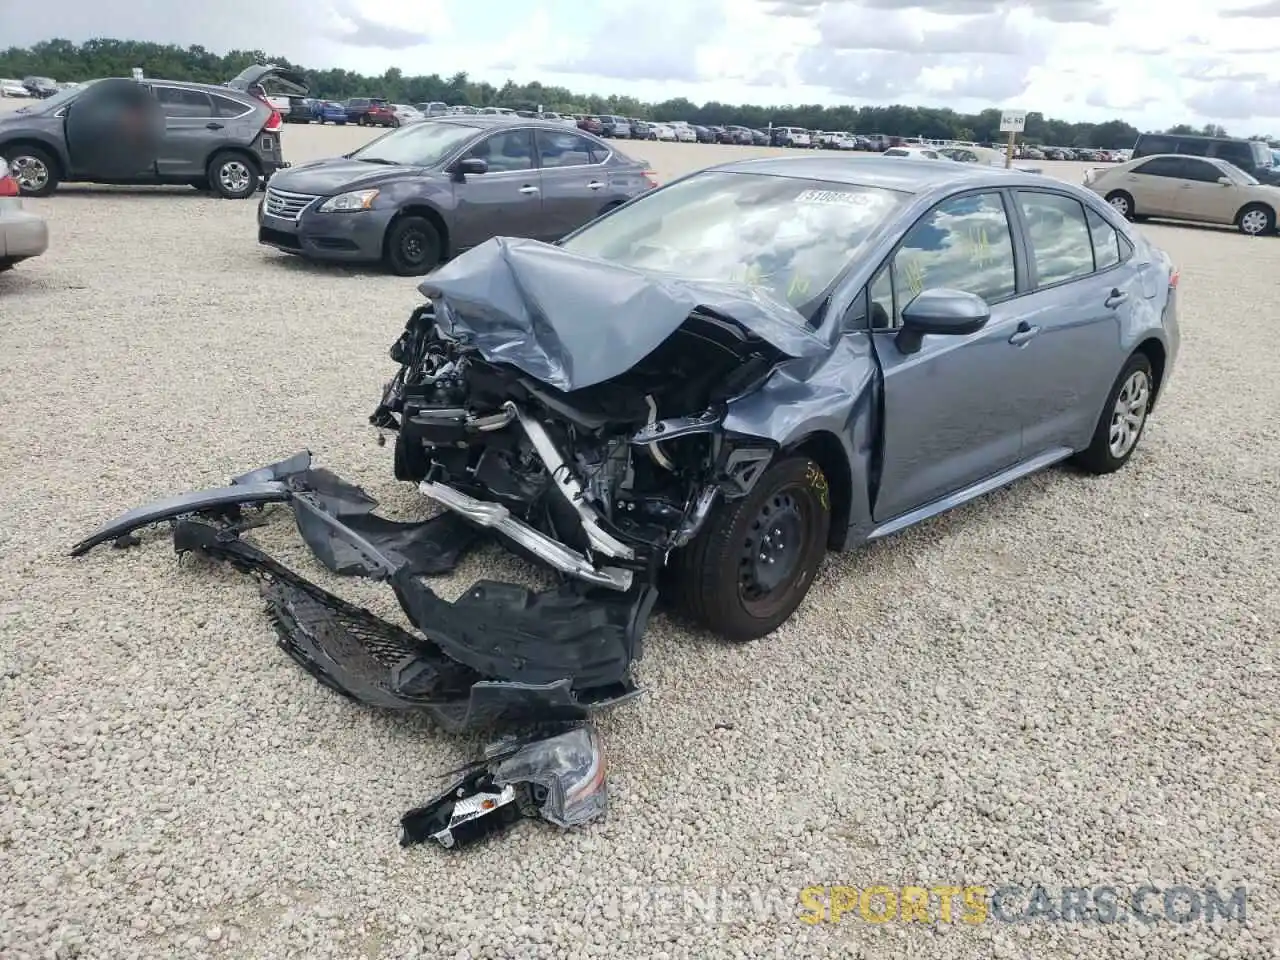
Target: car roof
(491, 120)
(888, 173)
(220, 89)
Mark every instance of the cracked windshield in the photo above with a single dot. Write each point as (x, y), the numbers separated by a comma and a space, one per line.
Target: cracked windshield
(790, 236)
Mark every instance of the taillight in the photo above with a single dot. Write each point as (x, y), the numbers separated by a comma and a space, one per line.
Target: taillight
(275, 122)
(651, 177)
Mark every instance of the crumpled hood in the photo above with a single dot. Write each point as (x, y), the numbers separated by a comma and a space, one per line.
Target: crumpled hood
(572, 321)
(327, 177)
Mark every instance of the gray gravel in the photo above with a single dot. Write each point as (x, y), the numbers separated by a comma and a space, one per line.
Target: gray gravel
(1073, 682)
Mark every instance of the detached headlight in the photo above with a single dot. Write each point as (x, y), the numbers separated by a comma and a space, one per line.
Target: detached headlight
(349, 202)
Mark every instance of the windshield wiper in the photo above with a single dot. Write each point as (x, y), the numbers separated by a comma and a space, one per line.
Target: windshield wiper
(381, 160)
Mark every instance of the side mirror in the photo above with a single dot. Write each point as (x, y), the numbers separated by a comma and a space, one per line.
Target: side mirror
(1225, 181)
(941, 312)
(470, 165)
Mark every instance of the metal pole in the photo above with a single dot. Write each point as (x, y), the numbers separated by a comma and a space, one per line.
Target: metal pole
(1008, 155)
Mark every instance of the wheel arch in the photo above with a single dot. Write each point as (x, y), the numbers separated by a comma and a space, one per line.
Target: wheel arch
(1256, 205)
(826, 450)
(1158, 357)
(419, 208)
(44, 146)
(237, 150)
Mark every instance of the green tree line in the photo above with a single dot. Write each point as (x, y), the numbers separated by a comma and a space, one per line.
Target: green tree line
(65, 61)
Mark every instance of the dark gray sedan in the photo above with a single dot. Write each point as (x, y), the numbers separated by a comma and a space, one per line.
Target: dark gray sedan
(423, 193)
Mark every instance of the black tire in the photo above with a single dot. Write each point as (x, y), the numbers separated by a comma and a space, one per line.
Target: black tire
(412, 246)
(1122, 201)
(395, 123)
(16, 157)
(363, 121)
(1100, 457)
(233, 176)
(8, 264)
(1256, 220)
(722, 583)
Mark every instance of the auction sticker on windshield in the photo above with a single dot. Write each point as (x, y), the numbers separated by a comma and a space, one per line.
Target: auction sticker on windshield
(846, 197)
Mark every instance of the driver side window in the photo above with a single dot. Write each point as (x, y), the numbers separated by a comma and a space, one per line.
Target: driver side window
(962, 244)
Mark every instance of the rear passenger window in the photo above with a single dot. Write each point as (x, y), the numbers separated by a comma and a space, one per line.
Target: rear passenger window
(1106, 241)
(1061, 246)
(180, 102)
(227, 108)
(557, 149)
(964, 244)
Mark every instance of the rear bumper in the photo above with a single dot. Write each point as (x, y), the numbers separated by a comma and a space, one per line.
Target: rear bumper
(335, 237)
(22, 234)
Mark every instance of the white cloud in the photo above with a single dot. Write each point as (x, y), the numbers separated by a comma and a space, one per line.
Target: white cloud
(1143, 60)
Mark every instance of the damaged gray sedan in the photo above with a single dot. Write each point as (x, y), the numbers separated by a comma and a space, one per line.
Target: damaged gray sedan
(763, 361)
(702, 393)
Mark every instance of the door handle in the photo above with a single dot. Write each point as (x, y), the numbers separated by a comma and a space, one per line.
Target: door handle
(1024, 334)
(1116, 298)
(213, 126)
(528, 189)
(595, 185)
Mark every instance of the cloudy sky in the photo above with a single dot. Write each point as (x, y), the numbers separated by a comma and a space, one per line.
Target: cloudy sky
(1151, 61)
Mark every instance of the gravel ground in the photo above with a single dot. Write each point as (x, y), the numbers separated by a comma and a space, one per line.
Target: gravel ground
(1072, 682)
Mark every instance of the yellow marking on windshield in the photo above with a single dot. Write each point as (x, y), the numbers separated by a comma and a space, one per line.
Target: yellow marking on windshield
(798, 287)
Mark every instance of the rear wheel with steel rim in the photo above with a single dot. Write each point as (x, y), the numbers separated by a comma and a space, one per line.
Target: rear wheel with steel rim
(233, 176)
(1122, 203)
(33, 168)
(1123, 418)
(1256, 220)
(754, 562)
(412, 246)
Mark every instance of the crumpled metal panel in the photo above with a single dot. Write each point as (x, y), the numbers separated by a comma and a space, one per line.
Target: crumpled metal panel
(572, 321)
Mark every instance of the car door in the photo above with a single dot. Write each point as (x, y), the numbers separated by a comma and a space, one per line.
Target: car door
(575, 181)
(113, 131)
(191, 131)
(1154, 185)
(1202, 197)
(505, 201)
(953, 410)
(1082, 290)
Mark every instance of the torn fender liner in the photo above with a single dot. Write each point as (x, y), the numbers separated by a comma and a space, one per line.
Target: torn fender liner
(361, 656)
(369, 546)
(572, 321)
(560, 778)
(507, 631)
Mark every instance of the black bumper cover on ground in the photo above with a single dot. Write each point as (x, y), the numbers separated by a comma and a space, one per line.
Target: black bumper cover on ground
(500, 654)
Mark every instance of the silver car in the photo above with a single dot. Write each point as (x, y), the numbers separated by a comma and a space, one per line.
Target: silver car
(23, 234)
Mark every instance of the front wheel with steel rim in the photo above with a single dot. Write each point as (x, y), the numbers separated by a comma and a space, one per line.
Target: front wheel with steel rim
(752, 565)
(1122, 203)
(233, 176)
(412, 246)
(33, 168)
(1123, 418)
(1256, 220)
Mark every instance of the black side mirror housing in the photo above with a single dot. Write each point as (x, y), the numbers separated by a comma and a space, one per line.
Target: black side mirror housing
(941, 312)
(470, 165)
